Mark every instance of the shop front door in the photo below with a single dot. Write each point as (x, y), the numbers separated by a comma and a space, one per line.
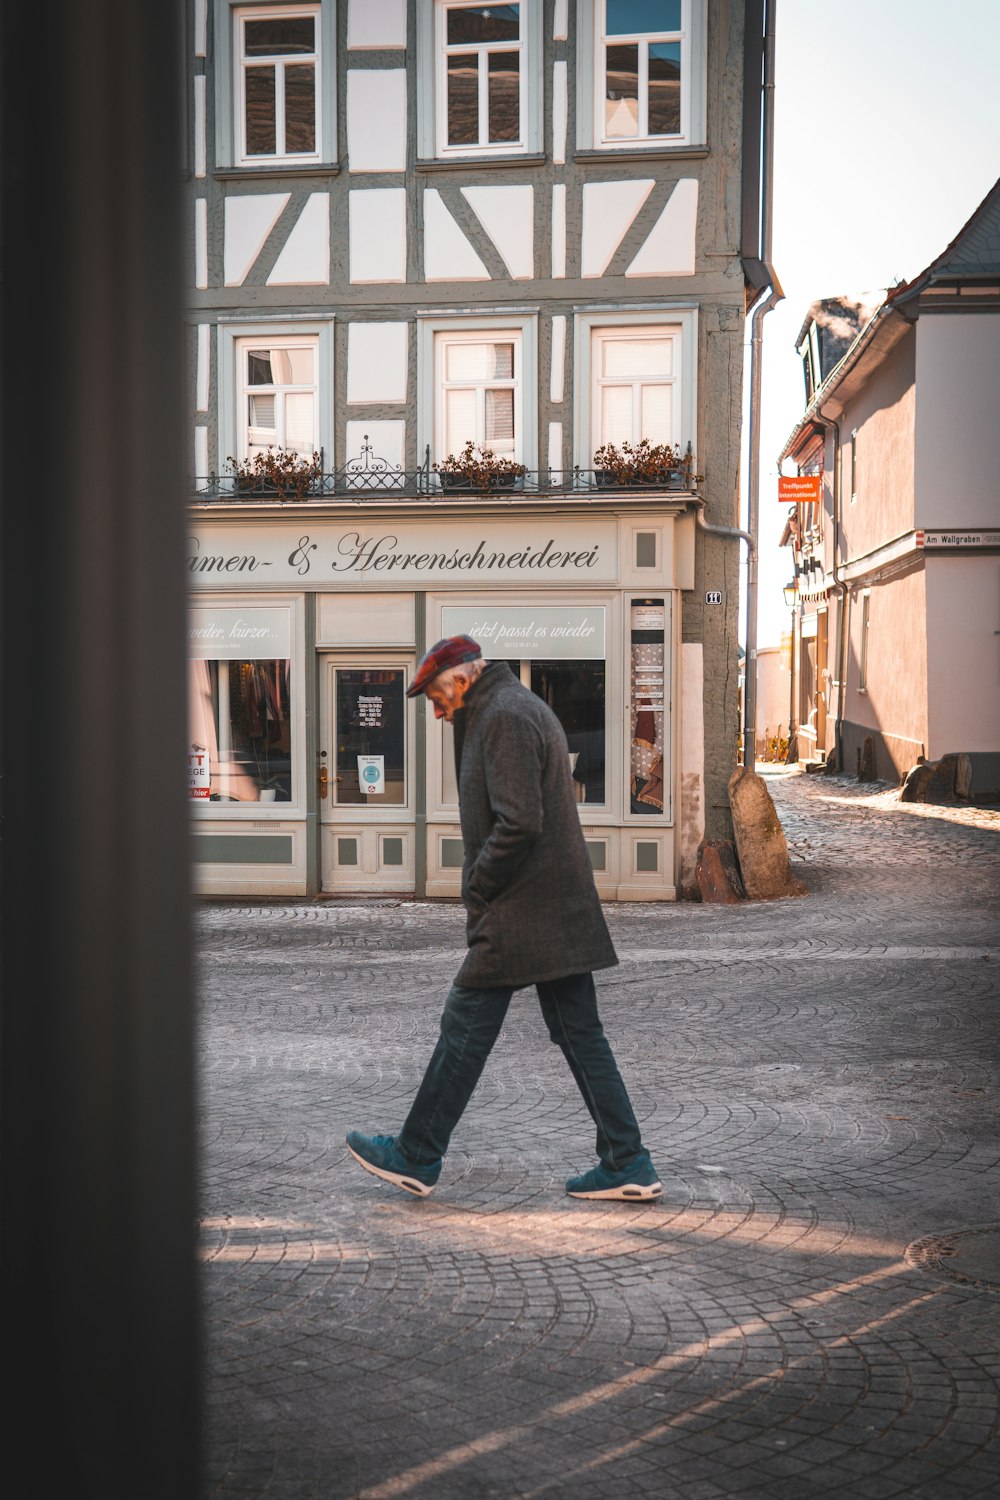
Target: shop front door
(366, 781)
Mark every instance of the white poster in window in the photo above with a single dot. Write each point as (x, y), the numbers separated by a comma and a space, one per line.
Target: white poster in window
(199, 772)
(647, 617)
(521, 632)
(371, 774)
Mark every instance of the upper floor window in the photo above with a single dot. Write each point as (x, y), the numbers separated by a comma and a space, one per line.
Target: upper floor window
(276, 54)
(480, 388)
(279, 396)
(646, 60)
(479, 79)
(635, 379)
(477, 382)
(481, 72)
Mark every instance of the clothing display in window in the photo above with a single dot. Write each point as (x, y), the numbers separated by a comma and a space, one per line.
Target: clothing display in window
(647, 726)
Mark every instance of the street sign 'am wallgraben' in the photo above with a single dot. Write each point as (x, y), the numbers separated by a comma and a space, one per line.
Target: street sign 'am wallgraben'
(799, 489)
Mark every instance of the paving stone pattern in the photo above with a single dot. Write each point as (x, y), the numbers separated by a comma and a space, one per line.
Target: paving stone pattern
(811, 1309)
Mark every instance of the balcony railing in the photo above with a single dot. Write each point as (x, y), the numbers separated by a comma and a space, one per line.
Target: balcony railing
(372, 478)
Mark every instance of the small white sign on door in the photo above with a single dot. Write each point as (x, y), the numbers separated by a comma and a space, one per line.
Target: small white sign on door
(371, 774)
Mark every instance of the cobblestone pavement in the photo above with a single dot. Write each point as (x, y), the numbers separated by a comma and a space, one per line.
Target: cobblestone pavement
(812, 1307)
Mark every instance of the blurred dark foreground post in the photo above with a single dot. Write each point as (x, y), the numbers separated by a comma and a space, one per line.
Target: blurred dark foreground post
(99, 1287)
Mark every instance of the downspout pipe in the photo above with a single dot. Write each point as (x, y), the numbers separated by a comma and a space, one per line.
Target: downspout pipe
(773, 297)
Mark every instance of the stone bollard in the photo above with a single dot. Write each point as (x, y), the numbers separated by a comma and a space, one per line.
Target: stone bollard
(761, 846)
(866, 760)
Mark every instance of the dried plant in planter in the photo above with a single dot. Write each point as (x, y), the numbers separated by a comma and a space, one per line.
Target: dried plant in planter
(478, 468)
(289, 476)
(642, 463)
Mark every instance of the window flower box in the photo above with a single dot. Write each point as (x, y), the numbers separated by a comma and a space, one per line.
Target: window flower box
(275, 475)
(644, 466)
(478, 471)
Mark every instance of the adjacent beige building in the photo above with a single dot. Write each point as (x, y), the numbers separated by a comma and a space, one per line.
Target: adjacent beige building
(897, 565)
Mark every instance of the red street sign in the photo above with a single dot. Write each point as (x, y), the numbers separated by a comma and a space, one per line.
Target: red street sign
(799, 489)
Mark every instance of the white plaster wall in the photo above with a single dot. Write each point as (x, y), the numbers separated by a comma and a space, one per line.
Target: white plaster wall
(203, 366)
(508, 216)
(376, 119)
(560, 112)
(376, 362)
(558, 230)
(692, 737)
(963, 654)
(305, 257)
(376, 23)
(448, 256)
(200, 244)
(387, 439)
(668, 249)
(377, 234)
(249, 219)
(608, 211)
(958, 376)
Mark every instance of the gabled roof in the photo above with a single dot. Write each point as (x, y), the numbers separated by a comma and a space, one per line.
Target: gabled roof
(974, 252)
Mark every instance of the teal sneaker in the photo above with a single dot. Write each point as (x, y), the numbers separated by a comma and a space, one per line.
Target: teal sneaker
(636, 1183)
(380, 1154)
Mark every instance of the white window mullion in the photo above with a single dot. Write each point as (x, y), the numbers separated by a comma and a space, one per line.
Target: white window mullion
(643, 121)
(279, 107)
(483, 79)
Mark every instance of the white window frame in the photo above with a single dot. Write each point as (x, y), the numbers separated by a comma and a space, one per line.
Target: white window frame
(234, 338)
(447, 339)
(247, 346)
(432, 112)
(866, 599)
(693, 132)
(229, 88)
(432, 334)
(635, 333)
(679, 322)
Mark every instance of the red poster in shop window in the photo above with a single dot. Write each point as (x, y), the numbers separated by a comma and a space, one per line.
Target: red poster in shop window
(199, 772)
(799, 489)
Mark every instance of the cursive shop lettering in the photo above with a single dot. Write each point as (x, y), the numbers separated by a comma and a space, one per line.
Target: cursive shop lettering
(217, 563)
(376, 553)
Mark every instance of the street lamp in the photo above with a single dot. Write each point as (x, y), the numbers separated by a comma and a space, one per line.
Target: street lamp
(789, 592)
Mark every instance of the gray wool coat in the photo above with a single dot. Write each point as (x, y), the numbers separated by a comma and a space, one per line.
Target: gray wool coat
(527, 883)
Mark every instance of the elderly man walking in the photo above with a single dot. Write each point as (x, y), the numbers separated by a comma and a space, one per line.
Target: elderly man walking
(533, 918)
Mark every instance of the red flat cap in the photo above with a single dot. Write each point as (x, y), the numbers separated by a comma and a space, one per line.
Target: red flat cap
(451, 652)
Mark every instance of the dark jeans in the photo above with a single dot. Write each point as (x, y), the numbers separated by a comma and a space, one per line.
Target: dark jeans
(471, 1024)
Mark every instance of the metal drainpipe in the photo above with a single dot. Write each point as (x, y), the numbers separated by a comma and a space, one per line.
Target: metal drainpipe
(775, 295)
(833, 427)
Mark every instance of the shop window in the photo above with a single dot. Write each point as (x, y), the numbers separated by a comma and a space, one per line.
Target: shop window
(648, 728)
(635, 380)
(240, 730)
(278, 396)
(275, 83)
(477, 382)
(371, 738)
(642, 67)
(575, 691)
(477, 64)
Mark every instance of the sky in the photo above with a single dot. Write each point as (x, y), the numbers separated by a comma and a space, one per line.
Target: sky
(887, 138)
